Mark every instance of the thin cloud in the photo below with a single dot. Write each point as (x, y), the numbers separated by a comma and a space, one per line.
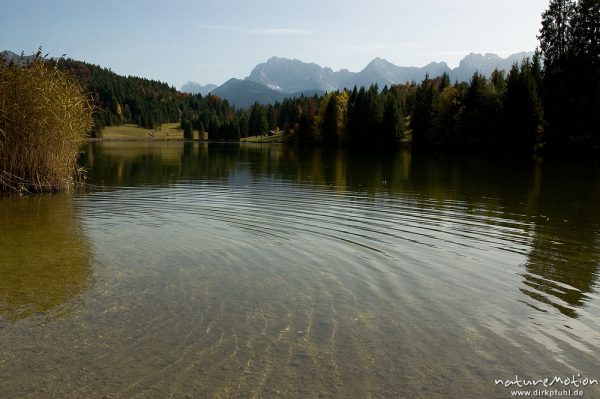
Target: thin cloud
(258, 31)
(208, 66)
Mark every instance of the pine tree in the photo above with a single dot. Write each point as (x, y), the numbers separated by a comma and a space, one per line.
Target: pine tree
(329, 130)
(555, 38)
(422, 116)
(444, 82)
(585, 69)
(188, 130)
(393, 122)
(499, 81)
(570, 44)
(555, 33)
(258, 123)
(481, 114)
(271, 117)
(355, 115)
(446, 110)
(201, 130)
(522, 110)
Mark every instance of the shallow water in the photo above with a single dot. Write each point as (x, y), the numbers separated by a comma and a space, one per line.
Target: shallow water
(195, 270)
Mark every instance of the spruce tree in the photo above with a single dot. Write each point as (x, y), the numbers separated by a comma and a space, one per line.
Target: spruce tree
(585, 68)
(570, 45)
(329, 131)
(556, 31)
(522, 111)
(393, 122)
(422, 116)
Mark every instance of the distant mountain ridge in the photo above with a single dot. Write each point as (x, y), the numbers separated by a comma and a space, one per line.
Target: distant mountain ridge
(384, 73)
(197, 88)
(485, 64)
(285, 75)
(9, 56)
(244, 93)
(288, 76)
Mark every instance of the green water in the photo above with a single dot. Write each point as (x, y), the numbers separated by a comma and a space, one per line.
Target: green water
(195, 270)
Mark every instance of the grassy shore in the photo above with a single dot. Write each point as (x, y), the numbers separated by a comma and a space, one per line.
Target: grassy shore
(275, 138)
(168, 131)
(171, 131)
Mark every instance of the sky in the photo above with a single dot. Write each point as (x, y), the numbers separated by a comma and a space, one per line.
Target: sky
(210, 41)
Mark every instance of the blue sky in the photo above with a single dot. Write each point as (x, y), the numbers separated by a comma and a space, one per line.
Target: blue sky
(209, 41)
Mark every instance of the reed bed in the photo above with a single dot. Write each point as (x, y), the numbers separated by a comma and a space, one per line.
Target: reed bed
(44, 118)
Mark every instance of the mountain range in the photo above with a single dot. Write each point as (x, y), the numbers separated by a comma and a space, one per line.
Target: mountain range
(9, 56)
(197, 88)
(279, 78)
(243, 93)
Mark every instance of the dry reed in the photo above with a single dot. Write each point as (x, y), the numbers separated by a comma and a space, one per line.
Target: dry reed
(44, 117)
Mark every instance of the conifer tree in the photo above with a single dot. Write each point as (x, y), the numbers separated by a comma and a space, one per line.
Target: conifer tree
(422, 117)
(522, 110)
(555, 34)
(393, 122)
(329, 130)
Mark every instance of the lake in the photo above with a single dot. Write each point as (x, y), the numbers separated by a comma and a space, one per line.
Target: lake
(225, 270)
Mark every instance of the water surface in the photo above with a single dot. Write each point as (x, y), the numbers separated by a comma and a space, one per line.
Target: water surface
(196, 270)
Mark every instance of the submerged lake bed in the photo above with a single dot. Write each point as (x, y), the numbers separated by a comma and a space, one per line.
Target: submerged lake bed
(228, 270)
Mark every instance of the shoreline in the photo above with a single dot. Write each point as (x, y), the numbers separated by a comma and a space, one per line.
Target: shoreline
(174, 139)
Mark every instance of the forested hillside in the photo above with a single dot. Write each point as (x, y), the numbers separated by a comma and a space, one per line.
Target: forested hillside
(120, 99)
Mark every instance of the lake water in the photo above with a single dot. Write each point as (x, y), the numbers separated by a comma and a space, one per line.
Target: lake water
(206, 270)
